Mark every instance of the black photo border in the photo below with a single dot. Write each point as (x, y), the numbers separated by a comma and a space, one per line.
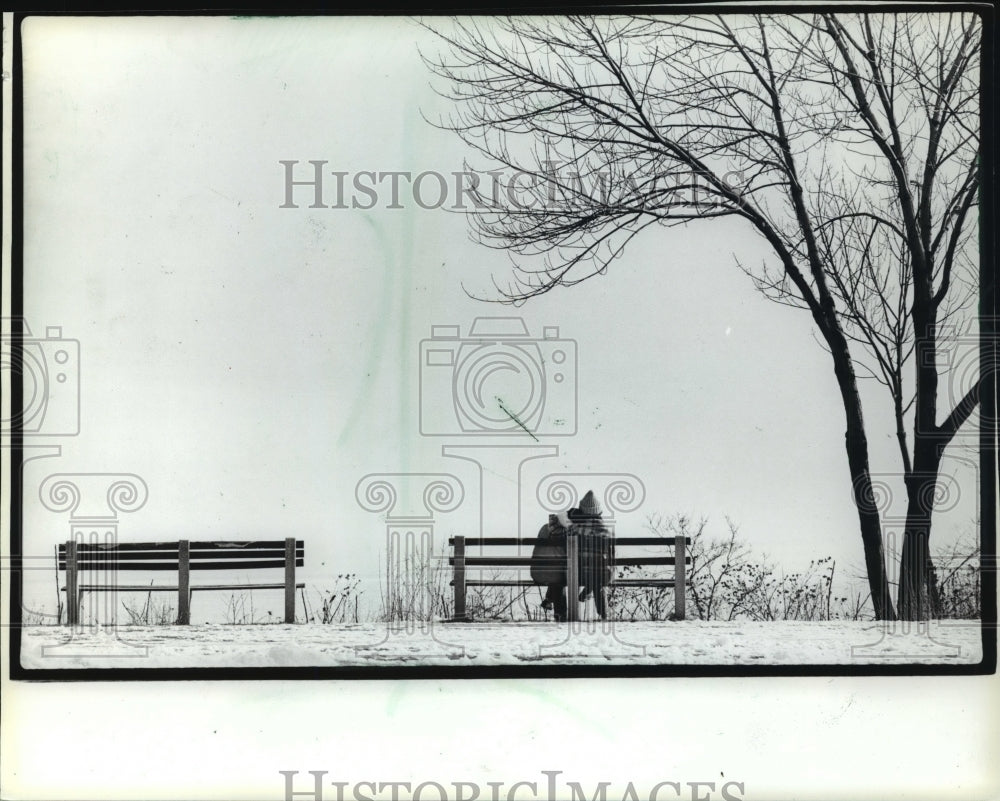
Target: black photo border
(15, 455)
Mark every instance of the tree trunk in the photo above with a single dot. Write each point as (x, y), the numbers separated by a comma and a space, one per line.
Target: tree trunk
(917, 586)
(871, 529)
(916, 590)
(861, 481)
(856, 442)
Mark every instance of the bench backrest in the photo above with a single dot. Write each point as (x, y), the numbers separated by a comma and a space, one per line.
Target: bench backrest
(215, 555)
(469, 553)
(182, 557)
(523, 559)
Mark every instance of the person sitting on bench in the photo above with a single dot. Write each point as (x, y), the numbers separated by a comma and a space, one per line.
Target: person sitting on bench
(548, 564)
(595, 554)
(549, 556)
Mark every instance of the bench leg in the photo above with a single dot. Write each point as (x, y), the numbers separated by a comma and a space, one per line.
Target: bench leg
(572, 579)
(290, 579)
(72, 596)
(680, 577)
(459, 579)
(183, 583)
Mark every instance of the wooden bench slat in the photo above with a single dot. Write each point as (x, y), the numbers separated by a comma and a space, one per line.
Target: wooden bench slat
(82, 547)
(242, 587)
(248, 553)
(137, 556)
(114, 565)
(125, 588)
(499, 583)
(656, 541)
(164, 556)
(525, 561)
(89, 564)
(642, 583)
(205, 545)
(166, 588)
(651, 582)
(470, 541)
(507, 541)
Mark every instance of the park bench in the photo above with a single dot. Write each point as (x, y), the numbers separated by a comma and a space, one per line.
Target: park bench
(81, 559)
(462, 562)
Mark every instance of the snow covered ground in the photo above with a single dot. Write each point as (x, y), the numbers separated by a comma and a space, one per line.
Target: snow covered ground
(689, 642)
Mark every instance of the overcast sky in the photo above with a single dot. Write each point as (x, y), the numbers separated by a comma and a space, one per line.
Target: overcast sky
(252, 363)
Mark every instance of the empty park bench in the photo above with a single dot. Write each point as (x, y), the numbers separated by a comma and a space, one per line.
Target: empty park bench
(80, 559)
(462, 561)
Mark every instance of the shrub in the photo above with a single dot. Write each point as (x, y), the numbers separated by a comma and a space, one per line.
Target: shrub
(726, 580)
(959, 590)
(150, 613)
(339, 605)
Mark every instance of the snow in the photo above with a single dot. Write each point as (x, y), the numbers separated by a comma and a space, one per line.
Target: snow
(690, 642)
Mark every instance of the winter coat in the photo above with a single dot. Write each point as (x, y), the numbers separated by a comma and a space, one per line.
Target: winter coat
(596, 553)
(548, 557)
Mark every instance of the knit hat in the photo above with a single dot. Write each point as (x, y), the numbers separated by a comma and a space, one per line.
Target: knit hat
(589, 505)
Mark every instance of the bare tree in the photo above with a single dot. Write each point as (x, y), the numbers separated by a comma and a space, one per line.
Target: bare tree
(848, 142)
